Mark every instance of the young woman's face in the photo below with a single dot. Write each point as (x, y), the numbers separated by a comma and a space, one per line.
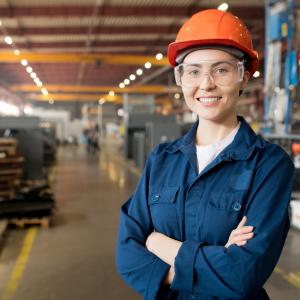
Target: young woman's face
(214, 94)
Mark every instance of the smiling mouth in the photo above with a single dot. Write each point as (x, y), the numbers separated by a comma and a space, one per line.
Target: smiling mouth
(208, 99)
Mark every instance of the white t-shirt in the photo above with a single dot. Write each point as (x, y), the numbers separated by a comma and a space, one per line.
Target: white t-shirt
(206, 154)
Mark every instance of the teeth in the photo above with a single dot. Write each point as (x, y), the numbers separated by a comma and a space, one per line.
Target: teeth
(208, 100)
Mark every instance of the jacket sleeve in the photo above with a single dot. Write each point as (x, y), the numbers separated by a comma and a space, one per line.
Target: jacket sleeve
(240, 272)
(141, 269)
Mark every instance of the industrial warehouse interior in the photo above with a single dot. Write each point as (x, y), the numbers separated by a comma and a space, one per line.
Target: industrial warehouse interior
(87, 91)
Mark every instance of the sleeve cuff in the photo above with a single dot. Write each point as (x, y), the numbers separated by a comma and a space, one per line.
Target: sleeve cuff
(158, 273)
(184, 267)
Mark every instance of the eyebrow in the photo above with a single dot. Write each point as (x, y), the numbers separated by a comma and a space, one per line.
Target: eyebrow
(212, 65)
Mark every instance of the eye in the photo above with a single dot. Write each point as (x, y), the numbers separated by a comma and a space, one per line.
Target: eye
(193, 72)
(221, 71)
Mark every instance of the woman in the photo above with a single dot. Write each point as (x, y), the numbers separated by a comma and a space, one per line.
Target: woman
(183, 233)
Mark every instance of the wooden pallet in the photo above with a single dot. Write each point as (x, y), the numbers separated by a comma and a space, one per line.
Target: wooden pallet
(44, 222)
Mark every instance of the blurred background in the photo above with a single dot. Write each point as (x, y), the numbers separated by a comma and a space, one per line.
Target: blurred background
(86, 92)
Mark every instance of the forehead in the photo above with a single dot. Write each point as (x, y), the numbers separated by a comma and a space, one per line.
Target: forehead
(207, 54)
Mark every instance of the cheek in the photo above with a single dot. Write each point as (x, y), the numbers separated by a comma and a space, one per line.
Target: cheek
(188, 94)
(231, 94)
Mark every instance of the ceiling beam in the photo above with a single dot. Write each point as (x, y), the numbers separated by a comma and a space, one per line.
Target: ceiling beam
(72, 97)
(121, 10)
(144, 89)
(9, 57)
(62, 44)
(161, 29)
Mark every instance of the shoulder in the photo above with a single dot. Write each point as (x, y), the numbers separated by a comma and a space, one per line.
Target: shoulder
(273, 154)
(167, 147)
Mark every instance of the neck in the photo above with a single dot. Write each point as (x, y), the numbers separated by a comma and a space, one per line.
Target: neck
(210, 132)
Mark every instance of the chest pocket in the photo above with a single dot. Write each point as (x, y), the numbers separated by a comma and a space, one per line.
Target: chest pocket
(223, 213)
(163, 209)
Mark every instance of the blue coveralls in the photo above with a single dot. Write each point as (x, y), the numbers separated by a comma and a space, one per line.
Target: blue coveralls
(249, 177)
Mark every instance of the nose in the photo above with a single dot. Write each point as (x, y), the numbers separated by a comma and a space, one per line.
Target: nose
(206, 83)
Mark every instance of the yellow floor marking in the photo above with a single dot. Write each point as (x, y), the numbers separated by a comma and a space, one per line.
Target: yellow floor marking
(20, 265)
(292, 277)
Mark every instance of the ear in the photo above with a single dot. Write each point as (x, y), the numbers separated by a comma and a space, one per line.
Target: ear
(245, 79)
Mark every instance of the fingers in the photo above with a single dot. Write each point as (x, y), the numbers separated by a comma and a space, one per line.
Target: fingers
(241, 234)
(240, 239)
(242, 230)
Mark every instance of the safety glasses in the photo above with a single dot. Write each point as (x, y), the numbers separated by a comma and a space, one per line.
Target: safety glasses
(222, 73)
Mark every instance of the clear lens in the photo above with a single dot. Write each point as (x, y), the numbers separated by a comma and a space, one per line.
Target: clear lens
(223, 73)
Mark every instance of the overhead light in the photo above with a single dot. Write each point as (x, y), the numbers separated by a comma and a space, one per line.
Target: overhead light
(139, 72)
(148, 65)
(120, 112)
(51, 101)
(28, 69)
(36, 79)
(277, 89)
(28, 110)
(44, 91)
(256, 74)
(177, 96)
(111, 93)
(132, 77)
(101, 101)
(33, 75)
(0, 23)
(122, 85)
(17, 52)
(159, 56)
(126, 81)
(24, 62)
(223, 6)
(39, 84)
(8, 40)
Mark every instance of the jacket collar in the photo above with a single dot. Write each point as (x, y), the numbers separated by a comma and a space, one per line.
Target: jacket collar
(242, 147)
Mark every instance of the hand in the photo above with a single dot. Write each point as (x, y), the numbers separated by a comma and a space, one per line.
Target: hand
(241, 234)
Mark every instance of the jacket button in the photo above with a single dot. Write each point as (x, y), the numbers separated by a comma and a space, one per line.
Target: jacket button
(156, 197)
(236, 206)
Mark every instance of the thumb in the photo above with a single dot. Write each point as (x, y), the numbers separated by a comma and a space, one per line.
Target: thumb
(243, 222)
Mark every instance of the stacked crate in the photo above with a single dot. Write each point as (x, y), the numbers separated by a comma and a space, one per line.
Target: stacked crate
(10, 168)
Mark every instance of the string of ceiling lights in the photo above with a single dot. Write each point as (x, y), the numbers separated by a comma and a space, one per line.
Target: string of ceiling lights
(24, 62)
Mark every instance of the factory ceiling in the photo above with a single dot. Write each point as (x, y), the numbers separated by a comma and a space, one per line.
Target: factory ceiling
(81, 50)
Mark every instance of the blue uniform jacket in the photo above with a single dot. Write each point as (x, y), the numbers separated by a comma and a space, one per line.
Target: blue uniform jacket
(249, 177)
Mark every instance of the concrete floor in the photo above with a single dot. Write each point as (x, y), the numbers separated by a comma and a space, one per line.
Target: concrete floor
(74, 259)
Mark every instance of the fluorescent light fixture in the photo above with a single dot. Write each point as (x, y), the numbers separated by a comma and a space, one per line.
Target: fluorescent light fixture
(8, 40)
(139, 72)
(44, 91)
(159, 56)
(223, 6)
(256, 74)
(132, 77)
(28, 69)
(24, 62)
(148, 65)
(177, 96)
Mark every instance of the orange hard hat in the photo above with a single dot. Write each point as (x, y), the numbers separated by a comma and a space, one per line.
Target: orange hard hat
(213, 27)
